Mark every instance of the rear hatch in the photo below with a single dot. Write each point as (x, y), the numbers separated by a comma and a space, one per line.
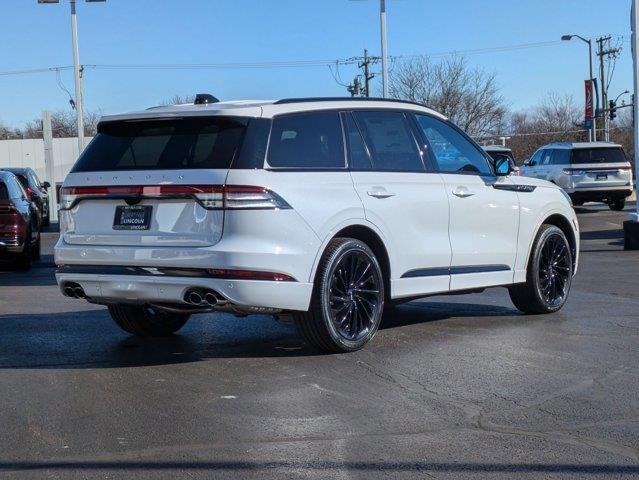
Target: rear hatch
(600, 167)
(151, 183)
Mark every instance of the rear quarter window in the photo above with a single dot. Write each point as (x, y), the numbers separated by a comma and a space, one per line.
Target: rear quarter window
(186, 143)
(307, 140)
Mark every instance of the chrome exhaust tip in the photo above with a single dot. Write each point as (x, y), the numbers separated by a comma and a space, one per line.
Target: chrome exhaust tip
(78, 292)
(69, 292)
(194, 298)
(210, 298)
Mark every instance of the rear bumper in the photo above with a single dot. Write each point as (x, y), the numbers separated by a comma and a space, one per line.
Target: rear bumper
(134, 289)
(10, 246)
(599, 194)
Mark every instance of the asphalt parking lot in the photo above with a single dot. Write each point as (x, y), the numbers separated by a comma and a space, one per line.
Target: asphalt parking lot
(452, 387)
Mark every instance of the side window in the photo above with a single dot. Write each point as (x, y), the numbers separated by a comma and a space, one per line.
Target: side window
(561, 156)
(4, 192)
(536, 158)
(391, 141)
(453, 152)
(358, 157)
(308, 140)
(546, 158)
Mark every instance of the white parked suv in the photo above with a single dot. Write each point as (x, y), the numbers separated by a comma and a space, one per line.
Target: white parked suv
(587, 171)
(323, 210)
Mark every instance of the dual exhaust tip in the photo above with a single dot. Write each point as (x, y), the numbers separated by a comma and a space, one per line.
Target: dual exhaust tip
(201, 298)
(74, 290)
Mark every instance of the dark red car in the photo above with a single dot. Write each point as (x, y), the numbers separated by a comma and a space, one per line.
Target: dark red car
(19, 223)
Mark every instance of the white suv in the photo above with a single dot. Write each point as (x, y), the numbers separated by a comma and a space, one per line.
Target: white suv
(587, 171)
(323, 210)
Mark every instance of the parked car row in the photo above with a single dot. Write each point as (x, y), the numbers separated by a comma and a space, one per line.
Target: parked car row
(20, 222)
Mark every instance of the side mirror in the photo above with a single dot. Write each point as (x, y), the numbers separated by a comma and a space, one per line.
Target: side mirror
(46, 185)
(502, 165)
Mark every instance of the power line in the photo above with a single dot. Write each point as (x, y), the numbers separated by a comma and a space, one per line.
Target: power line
(282, 63)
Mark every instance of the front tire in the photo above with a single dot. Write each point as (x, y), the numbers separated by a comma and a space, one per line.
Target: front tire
(145, 321)
(348, 298)
(549, 274)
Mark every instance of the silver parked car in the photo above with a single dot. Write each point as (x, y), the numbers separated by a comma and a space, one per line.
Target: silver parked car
(588, 172)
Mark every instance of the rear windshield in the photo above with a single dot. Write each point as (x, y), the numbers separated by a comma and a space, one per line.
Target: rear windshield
(598, 155)
(163, 144)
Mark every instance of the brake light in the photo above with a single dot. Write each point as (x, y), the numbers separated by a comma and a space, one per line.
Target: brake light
(211, 197)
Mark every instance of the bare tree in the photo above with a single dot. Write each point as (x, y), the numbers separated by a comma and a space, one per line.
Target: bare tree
(7, 133)
(556, 119)
(468, 96)
(64, 124)
(178, 100)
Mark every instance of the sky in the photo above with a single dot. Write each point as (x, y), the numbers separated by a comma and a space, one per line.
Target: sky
(145, 32)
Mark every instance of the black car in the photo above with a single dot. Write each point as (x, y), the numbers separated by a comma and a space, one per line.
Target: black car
(19, 223)
(36, 190)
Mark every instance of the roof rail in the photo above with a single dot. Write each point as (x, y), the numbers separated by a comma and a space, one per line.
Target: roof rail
(344, 99)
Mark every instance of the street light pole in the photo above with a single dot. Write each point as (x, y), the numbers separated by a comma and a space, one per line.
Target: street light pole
(79, 103)
(382, 18)
(593, 127)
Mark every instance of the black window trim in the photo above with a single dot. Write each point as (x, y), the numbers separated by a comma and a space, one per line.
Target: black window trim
(268, 167)
(347, 142)
(491, 175)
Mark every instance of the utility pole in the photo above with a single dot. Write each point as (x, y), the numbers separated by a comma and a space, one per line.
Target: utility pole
(382, 17)
(604, 51)
(79, 103)
(367, 75)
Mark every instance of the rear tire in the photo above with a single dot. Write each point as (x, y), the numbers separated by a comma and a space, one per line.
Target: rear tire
(617, 205)
(145, 321)
(549, 274)
(348, 298)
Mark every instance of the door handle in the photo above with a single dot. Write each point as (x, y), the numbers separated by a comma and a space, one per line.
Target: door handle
(462, 192)
(380, 194)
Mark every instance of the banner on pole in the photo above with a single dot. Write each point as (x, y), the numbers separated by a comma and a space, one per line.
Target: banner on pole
(588, 113)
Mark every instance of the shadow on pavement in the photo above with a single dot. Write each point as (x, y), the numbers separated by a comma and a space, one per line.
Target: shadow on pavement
(90, 339)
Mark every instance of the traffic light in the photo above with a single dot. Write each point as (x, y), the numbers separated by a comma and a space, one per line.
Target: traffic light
(613, 109)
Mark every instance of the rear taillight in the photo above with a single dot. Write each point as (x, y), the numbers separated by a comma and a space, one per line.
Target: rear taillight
(211, 197)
